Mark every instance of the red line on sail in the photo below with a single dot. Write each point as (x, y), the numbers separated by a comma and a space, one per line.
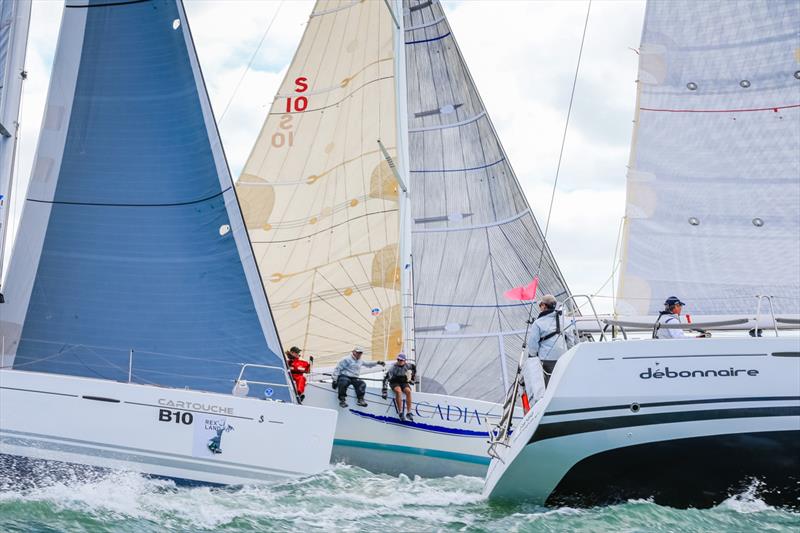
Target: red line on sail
(774, 109)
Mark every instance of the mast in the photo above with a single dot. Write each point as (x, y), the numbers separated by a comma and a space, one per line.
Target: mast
(406, 260)
(15, 16)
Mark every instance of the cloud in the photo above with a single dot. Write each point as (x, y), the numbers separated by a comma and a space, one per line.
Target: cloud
(522, 56)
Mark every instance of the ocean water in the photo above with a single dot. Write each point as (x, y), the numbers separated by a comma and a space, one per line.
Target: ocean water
(343, 499)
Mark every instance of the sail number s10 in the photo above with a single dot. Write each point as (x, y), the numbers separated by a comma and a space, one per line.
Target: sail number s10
(179, 417)
(294, 104)
(298, 103)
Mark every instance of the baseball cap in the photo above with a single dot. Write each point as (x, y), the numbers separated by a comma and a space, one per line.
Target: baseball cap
(673, 300)
(401, 357)
(358, 349)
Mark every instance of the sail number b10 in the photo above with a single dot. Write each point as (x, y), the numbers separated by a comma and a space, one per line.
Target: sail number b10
(179, 417)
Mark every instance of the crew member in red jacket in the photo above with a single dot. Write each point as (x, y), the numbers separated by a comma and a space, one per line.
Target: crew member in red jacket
(298, 369)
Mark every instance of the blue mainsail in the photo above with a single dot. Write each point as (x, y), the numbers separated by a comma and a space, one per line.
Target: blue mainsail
(131, 239)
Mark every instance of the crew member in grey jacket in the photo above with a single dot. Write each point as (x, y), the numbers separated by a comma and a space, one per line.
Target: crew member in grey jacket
(347, 373)
(400, 376)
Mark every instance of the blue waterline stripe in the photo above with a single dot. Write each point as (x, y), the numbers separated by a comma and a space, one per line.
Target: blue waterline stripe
(463, 457)
(420, 425)
(461, 169)
(429, 40)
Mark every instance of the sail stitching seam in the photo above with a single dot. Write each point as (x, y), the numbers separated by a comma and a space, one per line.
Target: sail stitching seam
(108, 4)
(175, 204)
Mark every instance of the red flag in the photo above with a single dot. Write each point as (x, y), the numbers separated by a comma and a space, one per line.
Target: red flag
(523, 293)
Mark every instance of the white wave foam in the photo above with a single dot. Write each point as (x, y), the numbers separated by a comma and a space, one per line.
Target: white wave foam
(747, 501)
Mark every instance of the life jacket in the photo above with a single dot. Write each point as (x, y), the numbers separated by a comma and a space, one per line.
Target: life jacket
(658, 323)
(298, 366)
(298, 369)
(558, 324)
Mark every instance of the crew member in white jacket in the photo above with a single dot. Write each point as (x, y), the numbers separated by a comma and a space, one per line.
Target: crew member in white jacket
(670, 315)
(547, 340)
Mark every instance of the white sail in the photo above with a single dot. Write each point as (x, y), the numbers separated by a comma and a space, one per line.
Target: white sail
(14, 22)
(319, 200)
(473, 233)
(713, 192)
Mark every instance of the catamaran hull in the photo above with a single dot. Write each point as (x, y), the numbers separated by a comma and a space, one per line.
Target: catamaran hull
(685, 422)
(159, 431)
(448, 436)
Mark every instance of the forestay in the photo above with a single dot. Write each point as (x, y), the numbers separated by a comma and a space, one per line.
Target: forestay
(319, 200)
(473, 233)
(713, 192)
(14, 22)
(131, 239)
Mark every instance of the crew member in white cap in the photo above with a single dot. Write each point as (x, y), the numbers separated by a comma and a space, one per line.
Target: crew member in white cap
(347, 373)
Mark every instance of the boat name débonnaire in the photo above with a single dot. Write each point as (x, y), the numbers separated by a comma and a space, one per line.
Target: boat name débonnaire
(722, 372)
(196, 406)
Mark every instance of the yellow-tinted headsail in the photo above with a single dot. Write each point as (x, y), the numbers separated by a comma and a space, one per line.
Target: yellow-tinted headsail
(318, 198)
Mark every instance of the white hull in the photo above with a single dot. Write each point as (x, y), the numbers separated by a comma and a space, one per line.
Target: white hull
(448, 436)
(160, 431)
(648, 419)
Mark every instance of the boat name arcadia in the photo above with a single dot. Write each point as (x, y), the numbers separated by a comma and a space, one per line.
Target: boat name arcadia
(196, 406)
(449, 413)
(723, 372)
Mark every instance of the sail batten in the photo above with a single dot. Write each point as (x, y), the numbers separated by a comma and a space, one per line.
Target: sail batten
(713, 187)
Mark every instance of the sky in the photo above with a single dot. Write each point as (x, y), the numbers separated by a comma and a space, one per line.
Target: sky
(522, 56)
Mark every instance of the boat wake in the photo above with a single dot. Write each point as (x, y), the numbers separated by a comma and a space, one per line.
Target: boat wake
(343, 498)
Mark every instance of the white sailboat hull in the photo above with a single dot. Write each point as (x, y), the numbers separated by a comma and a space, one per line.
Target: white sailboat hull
(448, 436)
(160, 431)
(662, 419)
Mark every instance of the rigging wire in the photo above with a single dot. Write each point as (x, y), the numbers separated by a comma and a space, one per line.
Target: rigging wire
(558, 166)
(564, 136)
(615, 264)
(249, 64)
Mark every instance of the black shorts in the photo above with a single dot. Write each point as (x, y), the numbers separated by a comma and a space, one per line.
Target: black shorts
(401, 384)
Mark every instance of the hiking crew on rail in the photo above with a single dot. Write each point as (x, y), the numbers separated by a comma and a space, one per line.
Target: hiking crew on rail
(347, 373)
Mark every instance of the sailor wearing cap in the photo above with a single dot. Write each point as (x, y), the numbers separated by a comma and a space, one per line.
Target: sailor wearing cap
(347, 373)
(400, 376)
(670, 315)
(546, 339)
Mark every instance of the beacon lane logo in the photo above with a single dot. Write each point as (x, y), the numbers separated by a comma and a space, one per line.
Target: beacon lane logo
(666, 373)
